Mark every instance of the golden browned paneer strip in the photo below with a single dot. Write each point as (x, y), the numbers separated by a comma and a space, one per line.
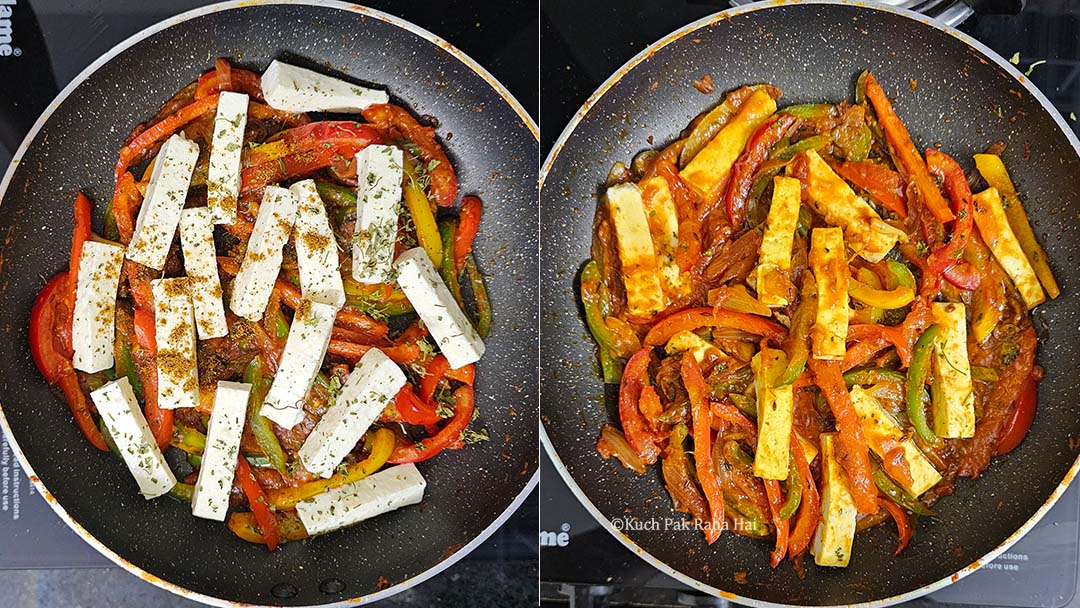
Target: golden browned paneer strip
(828, 263)
(836, 530)
(995, 230)
(865, 232)
(952, 398)
(883, 431)
(774, 255)
(775, 410)
(640, 269)
(993, 171)
(712, 165)
(664, 226)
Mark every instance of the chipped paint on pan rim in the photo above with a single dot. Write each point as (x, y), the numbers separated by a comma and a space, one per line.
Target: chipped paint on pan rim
(568, 131)
(498, 87)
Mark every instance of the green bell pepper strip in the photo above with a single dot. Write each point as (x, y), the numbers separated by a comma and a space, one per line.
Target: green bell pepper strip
(746, 405)
(861, 150)
(594, 318)
(899, 275)
(808, 110)
(195, 460)
(125, 366)
(916, 380)
(182, 491)
(899, 496)
(480, 296)
(872, 375)
(984, 374)
(335, 195)
(677, 413)
(261, 428)
(762, 181)
(108, 438)
(810, 143)
(794, 494)
(796, 345)
(447, 229)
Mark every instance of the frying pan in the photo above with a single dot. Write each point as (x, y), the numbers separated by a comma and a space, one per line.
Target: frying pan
(813, 51)
(73, 146)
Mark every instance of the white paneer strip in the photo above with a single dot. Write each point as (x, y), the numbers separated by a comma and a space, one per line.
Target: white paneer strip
(293, 89)
(200, 264)
(378, 200)
(431, 299)
(664, 225)
(164, 200)
(775, 411)
(133, 439)
(829, 264)
(994, 228)
(210, 500)
(774, 254)
(952, 397)
(262, 260)
(93, 320)
(866, 233)
(836, 530)
(373, 383)
(640, 269)
(884, 435)
(352, 503)
(309, 335)
(223, 174)
(316, 248)
(174, 329)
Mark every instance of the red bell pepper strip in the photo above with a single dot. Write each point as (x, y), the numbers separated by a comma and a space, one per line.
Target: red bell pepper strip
(742, 172)
(159, 420)
(413, 409)
(882, 183)
(171, 124)
(468, 226)
(47, 320)
(948, 257)
(810, 506)
(695, 318)
(732, 414)
(776, 502)
(291, 297)
(910, 162)
(435, 372)
(79, 235)
(702, 433)
(259, 505)
(125, 200)
(852, 446)
(399, 353)
(301, 163)
(892, 334)
(326, 133)
(224, 77)
(903, 525)
(635, 427)
(1017, 425)
(395, 122)
(446, 437)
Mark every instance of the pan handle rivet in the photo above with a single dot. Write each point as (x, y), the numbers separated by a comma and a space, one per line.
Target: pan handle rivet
(331, 586)
(284, 590)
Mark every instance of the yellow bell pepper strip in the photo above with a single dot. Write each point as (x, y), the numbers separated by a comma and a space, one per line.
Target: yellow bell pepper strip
(247, 527)
(916, 382)
(702, 430)
(808, 110)
(890, 299)
(594, 318)
(864, 313)
(737, 298)
(899, 496)
(852, 447)
(797, 345)
(261, 428)
(416, 201)
(993, 171)
(481, 301)
(382, 445)
(257, 502)
(696, 318)
(909, 160)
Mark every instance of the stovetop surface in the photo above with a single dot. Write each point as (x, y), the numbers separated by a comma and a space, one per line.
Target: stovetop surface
(582, 564)
(55, 40)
